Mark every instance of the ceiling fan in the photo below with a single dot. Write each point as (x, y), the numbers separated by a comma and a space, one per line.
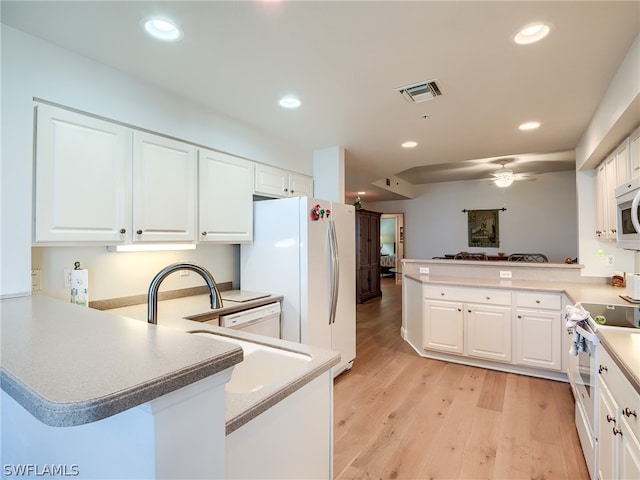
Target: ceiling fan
(504, 177)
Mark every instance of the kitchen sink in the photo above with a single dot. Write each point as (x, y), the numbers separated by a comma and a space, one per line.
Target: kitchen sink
(262, 365)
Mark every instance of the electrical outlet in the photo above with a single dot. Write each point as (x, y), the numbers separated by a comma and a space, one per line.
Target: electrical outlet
(67, 278)
(36, 280)
(424, 270)
(505, 273)
(611, 260)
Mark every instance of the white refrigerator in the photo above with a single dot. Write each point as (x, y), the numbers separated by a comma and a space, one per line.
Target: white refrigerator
(304, 249)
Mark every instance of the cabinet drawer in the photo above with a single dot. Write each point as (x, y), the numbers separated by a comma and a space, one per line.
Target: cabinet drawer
(552, 301)
(627, 399)
(468, 295)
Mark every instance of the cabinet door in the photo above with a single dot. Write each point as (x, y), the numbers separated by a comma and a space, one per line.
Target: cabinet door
(82, 178)
(271, 181)
(629, 454)
(611, 169)
(443, 326)
(300, 185)
(602, 204)
(538, 338)
(634, 153)
(164, 195)
(607, 451)
(225, 198)
(623, 164)
(488, 332)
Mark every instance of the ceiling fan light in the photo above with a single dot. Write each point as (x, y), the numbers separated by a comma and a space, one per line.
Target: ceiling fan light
(504, 178)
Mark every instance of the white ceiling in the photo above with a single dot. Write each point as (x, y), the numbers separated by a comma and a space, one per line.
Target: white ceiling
(344, 59)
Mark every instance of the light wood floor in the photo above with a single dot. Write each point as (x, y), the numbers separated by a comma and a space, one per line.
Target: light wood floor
(401, 416)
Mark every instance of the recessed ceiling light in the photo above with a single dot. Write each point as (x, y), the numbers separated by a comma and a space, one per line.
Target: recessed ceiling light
(161, 28)
(532, 33)
(361, 193)
(290, 102)
(529, 126)
(409, 144)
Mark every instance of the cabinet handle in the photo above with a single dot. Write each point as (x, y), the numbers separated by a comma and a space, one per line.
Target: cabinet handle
(459, 309)
(139, 232)
(442, 294)
(487, 298)
(123, 231)
(628, 412)
(617, 431)
(286, 189)
(204, 234)
(293, 191)
(537, 301)
(469, 310)
(602, 368)
(611, 419)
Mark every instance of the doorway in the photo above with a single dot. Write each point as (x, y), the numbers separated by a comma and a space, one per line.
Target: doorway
(392, 245)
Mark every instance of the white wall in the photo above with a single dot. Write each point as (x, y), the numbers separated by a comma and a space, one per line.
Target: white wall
(617, 113)
(33, 68)
(540, 216)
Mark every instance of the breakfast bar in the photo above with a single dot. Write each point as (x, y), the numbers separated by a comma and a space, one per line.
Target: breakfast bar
(100, 392)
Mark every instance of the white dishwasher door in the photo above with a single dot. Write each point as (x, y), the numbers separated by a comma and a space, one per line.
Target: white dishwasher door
(264, 320)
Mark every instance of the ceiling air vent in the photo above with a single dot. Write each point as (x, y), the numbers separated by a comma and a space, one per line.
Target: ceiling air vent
(420, 92)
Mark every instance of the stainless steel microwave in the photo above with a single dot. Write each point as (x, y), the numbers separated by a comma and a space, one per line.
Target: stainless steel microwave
(628, 214)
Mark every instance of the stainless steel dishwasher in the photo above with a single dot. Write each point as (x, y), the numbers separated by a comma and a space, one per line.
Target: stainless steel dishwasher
(263, 320)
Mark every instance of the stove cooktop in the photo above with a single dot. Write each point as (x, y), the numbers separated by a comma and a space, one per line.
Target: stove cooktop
(626, 316)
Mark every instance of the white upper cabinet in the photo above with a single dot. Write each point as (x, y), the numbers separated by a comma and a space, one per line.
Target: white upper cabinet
(276, 182)
(164, 189)
(82, 178)
(619, 167)
(225, 198)
(602, 204)
(623, 164)
(634, 153)
(300, 185)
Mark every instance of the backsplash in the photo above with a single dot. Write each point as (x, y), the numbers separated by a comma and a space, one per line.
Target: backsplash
(114, 275)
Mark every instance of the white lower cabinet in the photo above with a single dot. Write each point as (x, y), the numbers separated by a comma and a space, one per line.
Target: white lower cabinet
(471, 322)
(443, 326)
(489, 332)
(482, 325)
(618, 424)
(539, 330)
(225, 198)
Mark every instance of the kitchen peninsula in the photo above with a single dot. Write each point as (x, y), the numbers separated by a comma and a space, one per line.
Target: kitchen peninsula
(495, 333)
(112, 397)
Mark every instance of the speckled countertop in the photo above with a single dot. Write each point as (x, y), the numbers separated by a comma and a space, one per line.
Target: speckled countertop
(69, 365)
(622, 344)
(239, 407)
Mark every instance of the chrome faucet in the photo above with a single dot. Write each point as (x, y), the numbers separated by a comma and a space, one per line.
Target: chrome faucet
(152, 300)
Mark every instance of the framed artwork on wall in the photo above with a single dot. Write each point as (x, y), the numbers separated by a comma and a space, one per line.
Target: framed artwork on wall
(483, 228)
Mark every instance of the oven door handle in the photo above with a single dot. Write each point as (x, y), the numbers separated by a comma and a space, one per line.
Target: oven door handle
(592, 337)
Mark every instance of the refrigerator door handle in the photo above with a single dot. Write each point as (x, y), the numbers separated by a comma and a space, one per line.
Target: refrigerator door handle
(335, 266)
